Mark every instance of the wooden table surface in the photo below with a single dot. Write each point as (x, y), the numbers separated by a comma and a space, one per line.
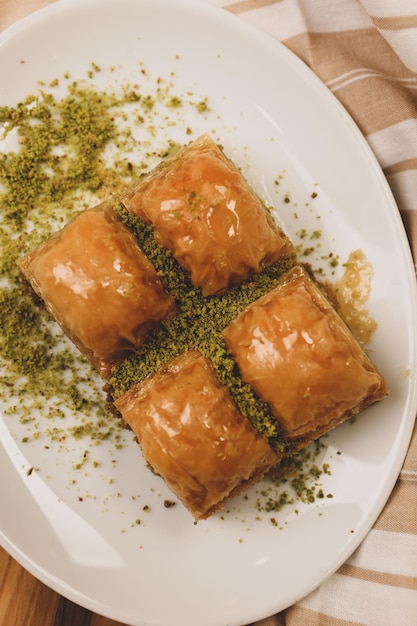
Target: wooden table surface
(24, 601)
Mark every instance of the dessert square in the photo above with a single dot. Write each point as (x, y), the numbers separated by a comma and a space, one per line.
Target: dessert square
(192, 434)
(299, 356)
(204, 211)
(98, 285)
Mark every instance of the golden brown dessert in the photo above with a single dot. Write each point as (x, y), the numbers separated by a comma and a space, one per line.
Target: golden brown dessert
(209, 431)
(299, 356)
(98, 285)
(192, 434)
(204, 211)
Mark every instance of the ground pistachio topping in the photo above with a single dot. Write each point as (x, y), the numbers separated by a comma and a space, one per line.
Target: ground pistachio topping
(64, 148)
(298, 478)
(198, 324)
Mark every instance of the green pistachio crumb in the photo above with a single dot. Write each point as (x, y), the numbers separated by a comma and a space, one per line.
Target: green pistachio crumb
(198, 324)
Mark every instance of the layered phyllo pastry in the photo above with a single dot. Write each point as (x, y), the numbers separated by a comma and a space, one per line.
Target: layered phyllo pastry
(204, 211)
(192, 434)
(98, 285)
(219, 352)
(295, 351)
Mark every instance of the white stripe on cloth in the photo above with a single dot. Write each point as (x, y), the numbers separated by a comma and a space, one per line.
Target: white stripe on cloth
(364, 602)
(404, 43)
(408, 474)
(404, 187)
(404, 40)
(395, 143)
(322, 16)
(286, 18)
(361, 73)
(389, 8)
(389, 552)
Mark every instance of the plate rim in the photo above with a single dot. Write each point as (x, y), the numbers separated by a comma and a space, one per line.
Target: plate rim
(35, 18)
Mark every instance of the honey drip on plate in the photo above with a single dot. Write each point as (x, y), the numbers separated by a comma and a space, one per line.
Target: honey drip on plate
(352, 293)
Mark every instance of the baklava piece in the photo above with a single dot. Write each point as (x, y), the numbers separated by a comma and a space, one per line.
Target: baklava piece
(299, 356)
(98, 285)
(204, 211)
(193, 436)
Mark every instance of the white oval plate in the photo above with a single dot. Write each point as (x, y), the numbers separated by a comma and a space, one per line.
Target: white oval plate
(271, 114)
